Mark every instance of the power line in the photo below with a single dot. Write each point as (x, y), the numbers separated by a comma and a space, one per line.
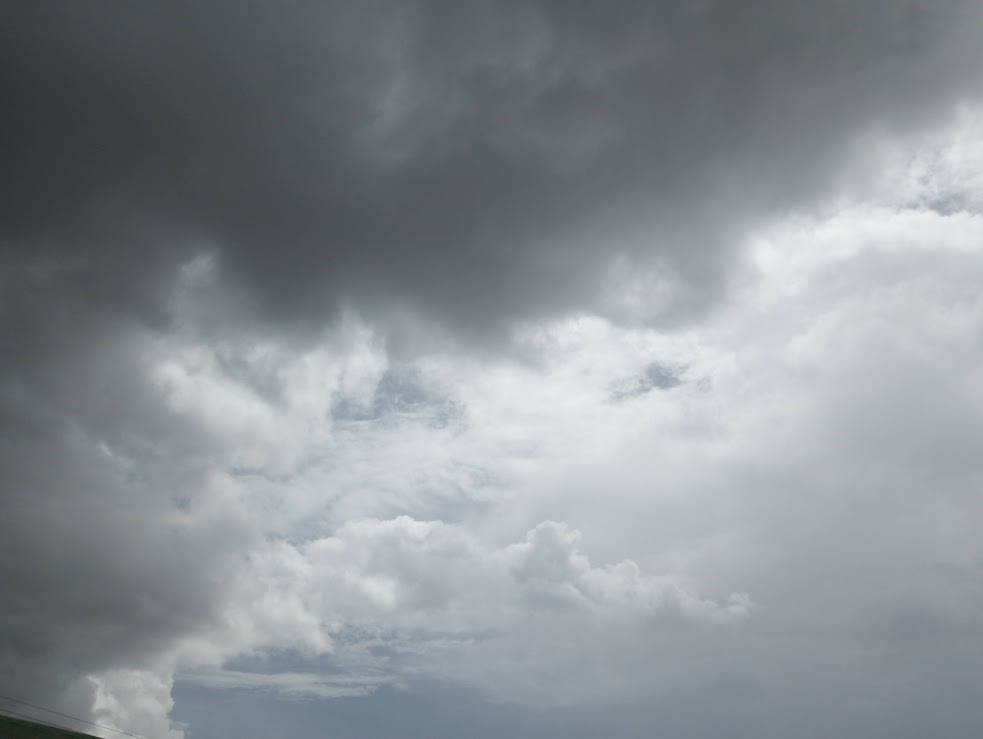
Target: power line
(65, 715)
(32, 719)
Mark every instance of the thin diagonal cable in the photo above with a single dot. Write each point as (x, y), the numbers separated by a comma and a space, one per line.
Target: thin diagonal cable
(74, 718)
(34, 719)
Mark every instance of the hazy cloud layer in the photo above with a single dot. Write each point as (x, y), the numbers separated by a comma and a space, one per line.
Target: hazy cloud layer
(608, 369)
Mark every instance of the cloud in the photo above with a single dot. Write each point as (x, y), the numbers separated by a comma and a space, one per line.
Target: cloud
(472, 167)
(138, 699)
(314, 319)
(403, 600)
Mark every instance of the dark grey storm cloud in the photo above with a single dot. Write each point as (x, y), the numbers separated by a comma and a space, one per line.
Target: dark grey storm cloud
(472, 162)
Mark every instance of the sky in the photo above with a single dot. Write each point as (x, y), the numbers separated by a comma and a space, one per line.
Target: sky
(493, 368)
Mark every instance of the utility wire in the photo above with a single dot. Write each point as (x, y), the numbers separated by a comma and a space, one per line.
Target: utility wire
(65, 715)
(33, 719)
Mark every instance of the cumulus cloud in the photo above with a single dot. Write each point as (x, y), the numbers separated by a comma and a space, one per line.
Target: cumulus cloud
(394, 600)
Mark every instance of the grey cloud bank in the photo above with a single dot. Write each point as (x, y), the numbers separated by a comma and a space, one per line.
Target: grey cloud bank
(326, 327)
(473, 163)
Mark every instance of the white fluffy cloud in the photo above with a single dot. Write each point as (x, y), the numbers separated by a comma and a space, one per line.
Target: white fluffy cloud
(428, 595)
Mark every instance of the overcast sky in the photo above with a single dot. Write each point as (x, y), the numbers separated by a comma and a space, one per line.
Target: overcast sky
(493, 368)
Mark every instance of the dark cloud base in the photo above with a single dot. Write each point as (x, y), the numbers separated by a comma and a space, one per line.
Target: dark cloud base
(476, 165)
